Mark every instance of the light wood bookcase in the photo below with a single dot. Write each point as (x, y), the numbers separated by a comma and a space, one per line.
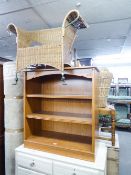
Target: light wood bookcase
(61, 117)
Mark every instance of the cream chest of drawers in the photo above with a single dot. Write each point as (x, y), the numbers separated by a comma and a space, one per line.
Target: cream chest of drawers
(33, 162)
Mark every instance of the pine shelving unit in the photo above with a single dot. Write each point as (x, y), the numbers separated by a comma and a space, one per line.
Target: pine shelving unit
(61, 117)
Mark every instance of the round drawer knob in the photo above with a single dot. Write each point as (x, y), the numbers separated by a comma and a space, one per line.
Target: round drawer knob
(32, 164)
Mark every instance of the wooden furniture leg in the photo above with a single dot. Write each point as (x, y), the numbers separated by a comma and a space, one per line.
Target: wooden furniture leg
(108, 111)
(112, 112)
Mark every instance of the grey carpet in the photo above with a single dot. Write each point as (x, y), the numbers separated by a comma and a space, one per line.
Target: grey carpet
(125, 152)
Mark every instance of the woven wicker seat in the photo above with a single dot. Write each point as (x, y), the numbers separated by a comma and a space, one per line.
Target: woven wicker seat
(49, 46)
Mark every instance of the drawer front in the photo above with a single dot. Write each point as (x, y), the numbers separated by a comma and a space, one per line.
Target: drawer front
(88, 171)
(23, 171)
(34, 163)
(65, 169)
(62, 169)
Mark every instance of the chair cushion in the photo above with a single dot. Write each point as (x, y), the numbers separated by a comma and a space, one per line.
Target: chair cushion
(125, 123)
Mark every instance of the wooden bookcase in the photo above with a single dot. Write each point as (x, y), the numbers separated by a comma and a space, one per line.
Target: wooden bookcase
(61, 117)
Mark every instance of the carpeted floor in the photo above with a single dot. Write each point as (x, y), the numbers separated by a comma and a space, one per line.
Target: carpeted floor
(125, 152)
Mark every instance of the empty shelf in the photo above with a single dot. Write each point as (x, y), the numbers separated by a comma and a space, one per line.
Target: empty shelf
(59, 96)
(63, 117)
(65, 144)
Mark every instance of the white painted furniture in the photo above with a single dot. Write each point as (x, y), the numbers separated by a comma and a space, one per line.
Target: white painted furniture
(112, 154)
(33, 162)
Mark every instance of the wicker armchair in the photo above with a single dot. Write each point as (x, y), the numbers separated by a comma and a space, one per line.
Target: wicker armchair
(49, 46)
(103, 87)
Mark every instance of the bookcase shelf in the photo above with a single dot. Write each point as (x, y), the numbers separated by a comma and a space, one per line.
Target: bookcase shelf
(61, 117)
(58, 142)
(60, 96)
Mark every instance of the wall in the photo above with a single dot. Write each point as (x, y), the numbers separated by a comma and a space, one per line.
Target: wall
(121, 72)
(120, 67)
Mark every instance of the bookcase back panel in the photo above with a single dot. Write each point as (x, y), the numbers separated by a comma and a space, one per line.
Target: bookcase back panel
(67, 106)
(53, 85)
(36, 128)
(34, 86)
(73, 85)
(68, 128)
(33, 105)
(33, 127)
(37, 105)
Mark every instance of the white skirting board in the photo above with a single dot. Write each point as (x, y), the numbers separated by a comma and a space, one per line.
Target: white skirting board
(112, 154)
(12, 140)
(13, 113)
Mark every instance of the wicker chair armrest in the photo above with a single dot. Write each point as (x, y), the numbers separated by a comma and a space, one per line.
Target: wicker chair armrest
(74, 19)
(23, 38)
